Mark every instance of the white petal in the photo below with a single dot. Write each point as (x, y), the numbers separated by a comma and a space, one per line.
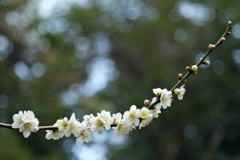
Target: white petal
(88, 138)
(79, 141)
(21, 127)
(15, 125)
(48, 136)
(16, 117)
(26, 133)
(30, 114)
(35, 129)
(35, 120)
(68, 133)
(72, 118)
(133, 108)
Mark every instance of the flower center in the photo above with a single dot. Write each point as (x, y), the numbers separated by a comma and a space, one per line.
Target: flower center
(132, 116)
(28, 126)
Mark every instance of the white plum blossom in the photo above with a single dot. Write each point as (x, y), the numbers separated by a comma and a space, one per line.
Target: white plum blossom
(87, 118)
(117, 118)
(17, 119)
(157, 91)
(63, 125)
(106, 116)
(180, 92)
(155, 112)
(28, 126)
(97, 125)
(156, 109)
(68, 126)
(103, 120)
(132, 116)
(146, 121)
(144, 112)
(74, 126)
(26, 122)
(54, 134)
(166, 98)
(123, 128)
(84, 134)
(146, 116)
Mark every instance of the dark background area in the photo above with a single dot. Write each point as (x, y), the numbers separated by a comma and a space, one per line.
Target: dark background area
(60, 57)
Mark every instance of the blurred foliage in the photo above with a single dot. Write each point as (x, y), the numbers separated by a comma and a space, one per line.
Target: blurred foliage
(59, 57)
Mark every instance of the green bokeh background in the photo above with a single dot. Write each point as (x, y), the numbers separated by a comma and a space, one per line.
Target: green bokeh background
(91, 55)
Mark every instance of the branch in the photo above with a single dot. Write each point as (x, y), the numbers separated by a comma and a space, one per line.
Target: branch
(26, 122)
(201, 61)
(183, 79)
(9, 126)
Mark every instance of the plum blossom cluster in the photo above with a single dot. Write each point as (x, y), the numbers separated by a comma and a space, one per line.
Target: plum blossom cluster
(25, 122)
(120, 123)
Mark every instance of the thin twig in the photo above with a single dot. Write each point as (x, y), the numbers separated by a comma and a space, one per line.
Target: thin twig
(183, 79)
(3, 125)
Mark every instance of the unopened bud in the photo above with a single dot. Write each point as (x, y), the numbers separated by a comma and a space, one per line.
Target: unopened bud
(211, 46)
(230, 23)
(177, 91)
(188, 68)
(222, 39)
(179, 76)
(206, 62)
(194, 68)
(146, 102)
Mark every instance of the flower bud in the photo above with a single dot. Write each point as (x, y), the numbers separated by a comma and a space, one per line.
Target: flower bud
(211, 46)
(222, 39)
(180, 76)
(206, 62)
(194, 68)
(229, 33)
(188, 68)
(146, 102)
(177, 91)
(230, 23)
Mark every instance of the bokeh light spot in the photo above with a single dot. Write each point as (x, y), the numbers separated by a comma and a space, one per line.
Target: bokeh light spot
(236, 30)
(3, 101)
(236, 56)
(218, 66)
(68, 98)
(174, 16)
(5, 47)
(190, 131)
(196, 13)
(181, 34)
(21, 70)
(38, 70)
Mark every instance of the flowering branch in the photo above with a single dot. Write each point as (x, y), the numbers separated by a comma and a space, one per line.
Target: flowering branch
(194, 68)
(122, 124)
